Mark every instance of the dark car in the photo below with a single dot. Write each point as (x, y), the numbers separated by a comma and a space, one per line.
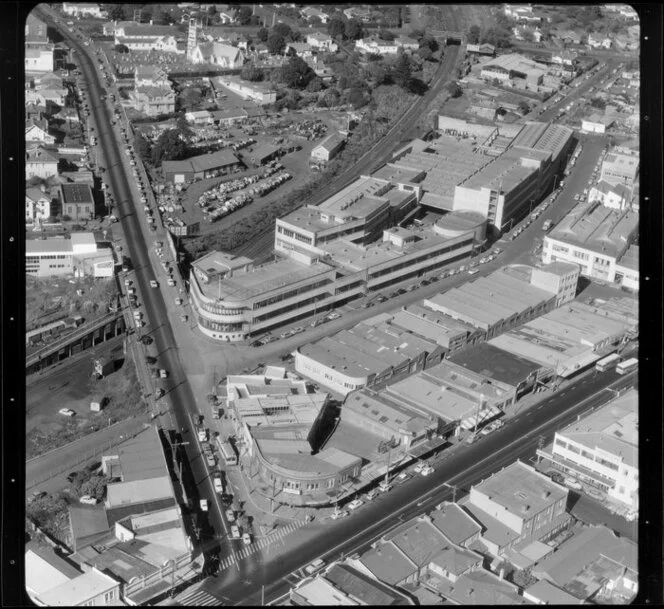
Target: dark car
(226, 499)
(146, 340)
(71, 477)
(558, 478)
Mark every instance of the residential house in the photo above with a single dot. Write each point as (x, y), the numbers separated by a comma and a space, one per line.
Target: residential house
(228, 117)
(301, 49)
(219, 54)
(154, 101)
(322, 42)
(309, 13)
(377, 46)
(38, 59)
(48, 81)
(358, 12)
(69, 115)
(569, 37)
(41, 163)
(598, 41)
(199, 118)
(34, 110)
(38, 133)
(35, 32)
(37, 205)
(55, 96)
(150, 75)
(406, 43)
(564, 58)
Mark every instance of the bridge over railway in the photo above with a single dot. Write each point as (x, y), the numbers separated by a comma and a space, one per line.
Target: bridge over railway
(84, 337)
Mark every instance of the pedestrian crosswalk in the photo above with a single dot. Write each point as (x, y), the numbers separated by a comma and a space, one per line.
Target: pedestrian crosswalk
(259, 544)
(198, 598)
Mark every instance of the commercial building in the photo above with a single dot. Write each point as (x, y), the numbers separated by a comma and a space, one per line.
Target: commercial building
(83, 9)
(77, 201)
(222, 162)
(519, 509)
(59, 256)
(328, 148)
(602, 449)
(138, 535)
(594, 237)
(567, 340)
(517, 70)
(143, 37)
(342, 584)
(596, 123)
(594, 564)
(620, 168)
(277, 422)
(258, 92)
(613, 196)
(39, 60)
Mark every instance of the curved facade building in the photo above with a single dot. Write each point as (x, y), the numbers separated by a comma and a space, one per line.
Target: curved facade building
(462, 221)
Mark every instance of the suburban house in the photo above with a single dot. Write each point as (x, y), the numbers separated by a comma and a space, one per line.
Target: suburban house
(377, 46)
(219, 54)
(564, 58)
(37, 133)
(323, 42)
(151, 76)
(301, 49)
(37, 205)
(597, 41)
(41, 163)
(310, 12)
(569, 37)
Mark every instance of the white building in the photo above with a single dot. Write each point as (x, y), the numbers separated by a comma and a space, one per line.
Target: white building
(328, 148)
(595, 124)
(37, 205)
(594, 237)
(39, 59)
(616, 196)
(620, 168)
(41, 163)
(601, 449)
(34, 133)
(320, 41)
(218, 54)
(377, 46)
(83, 9)
(254, 91)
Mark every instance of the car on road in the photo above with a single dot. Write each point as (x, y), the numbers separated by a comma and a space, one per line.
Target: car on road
(384, 487)
(37, 495)
(572, 483)
(484, 260)
(218, 484)
(473, 271)
(353, 505)
(235, 532)
(159, 393)
(230, 515)
(557, 477)
(153, 283)
(171, 282)
(419, 466)
(68, 412)
(314, 566)
(246, 538)
(163, 373)
(371, 495)
(210, 460)
(427, 470)
(402, 477)
(339, 514)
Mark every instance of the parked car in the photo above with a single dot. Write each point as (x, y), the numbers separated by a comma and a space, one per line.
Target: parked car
(353, 505)
(339, 514)
(402, 477)
(68, 412)
(371, 495)
(88, 500)
(572, 483)
(37, 495)
(314, 566)
(209, 458)
(230, 515)
(226, 499)
(246, 538)
(473, 271)
(235, 532)
(218, 484)
(153, 283)
(163, 373)
(204, 505)
(427, 470)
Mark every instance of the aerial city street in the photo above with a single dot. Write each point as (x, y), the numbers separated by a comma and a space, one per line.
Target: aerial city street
(332, 304)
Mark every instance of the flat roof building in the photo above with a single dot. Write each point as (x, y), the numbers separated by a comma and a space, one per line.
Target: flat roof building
(602, 449)
(619, 168)
(514, 67)
(594, 237)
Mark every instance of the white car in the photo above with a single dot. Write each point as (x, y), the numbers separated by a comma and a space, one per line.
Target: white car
(171, 282)
(427, 470)
(353, 505)
(153, 283)
(572, 483)
(210, 460)
(163, 373)
(235, 532)
(87, 500)
(372, 494)
(402, 477)
(204, 505)
(246, 538)
(337, 515)
(420, 466)
(218, 484)
(473, 271)
(230, 515)
(317, 564)
(68, 412)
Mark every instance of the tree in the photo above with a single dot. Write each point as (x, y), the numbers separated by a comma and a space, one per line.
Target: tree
(183, 126)
(283, 30)
(142, 147)
(454, 89)
(356, 98)
(161, 17)
(353, 29)
(115, 12)
(169, 146)
(386, 35)
(262, 34)
(121, 48)
(523, 106)
(244, 15)
(425, 53)
(401, 74)
(598, 102)
(330, 98)
(251, 73)
(315, 84)
(275, 44)
(474, 34)
(429, 42)
(296, 73)
(336, 27)
(95, 486)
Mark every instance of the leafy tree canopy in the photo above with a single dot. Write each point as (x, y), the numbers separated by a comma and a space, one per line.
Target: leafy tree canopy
(296, 73)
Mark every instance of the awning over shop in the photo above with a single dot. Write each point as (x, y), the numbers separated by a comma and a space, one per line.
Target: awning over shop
(484, 417)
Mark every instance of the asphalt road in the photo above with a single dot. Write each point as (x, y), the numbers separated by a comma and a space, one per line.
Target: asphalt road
(177, 386)
(465, 466)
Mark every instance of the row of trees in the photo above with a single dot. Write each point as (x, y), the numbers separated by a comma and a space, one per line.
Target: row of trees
(499, 35)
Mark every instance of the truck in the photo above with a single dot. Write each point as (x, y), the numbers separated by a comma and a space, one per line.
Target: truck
(547, 225)
(627, 366)
(608, 362)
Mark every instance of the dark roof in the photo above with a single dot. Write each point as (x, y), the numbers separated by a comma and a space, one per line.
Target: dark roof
(87, 524)
(220, 158)
(495, 363)
(368, 590)
(119, 513)
(76, 193)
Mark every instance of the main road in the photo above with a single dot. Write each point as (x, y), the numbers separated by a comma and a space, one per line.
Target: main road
(177, 387)
(461, 467)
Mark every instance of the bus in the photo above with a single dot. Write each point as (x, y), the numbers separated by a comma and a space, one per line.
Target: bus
(227, 451)
(608, 362)
(627, 366)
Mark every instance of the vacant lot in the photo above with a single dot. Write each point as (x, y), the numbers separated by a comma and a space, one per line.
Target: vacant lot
(74, 387)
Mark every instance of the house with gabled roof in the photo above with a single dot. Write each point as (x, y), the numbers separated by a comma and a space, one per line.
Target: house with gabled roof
(41, 163)
(322, 41)
(219, 54)
(34, 132)
(37, 205)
